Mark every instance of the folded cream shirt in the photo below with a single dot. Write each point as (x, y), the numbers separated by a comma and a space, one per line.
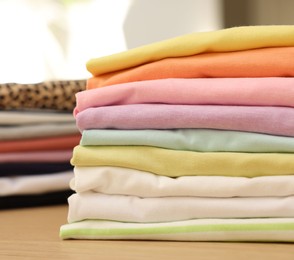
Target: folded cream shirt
(123, 181)
(91, 205)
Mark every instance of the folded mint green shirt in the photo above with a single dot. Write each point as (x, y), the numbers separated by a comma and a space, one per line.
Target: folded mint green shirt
(202, 140)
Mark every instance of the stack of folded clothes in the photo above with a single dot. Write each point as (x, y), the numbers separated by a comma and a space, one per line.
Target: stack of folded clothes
(188, 139)
(37, 135)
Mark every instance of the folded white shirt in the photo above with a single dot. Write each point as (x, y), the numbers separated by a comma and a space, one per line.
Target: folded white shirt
(90, 205)
(124, 181)
(35, 184)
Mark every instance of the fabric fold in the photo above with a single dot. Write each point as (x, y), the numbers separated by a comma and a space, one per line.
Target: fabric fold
(208, 91)
(202, 140)
(187, 139)
(258, 63)
(175, 163)
(269, 120)
(229, 230)
(91, 205)
(226, 40)
(122, 181)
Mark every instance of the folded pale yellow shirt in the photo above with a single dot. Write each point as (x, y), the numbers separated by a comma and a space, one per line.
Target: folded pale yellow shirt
(226, 40)
(174, 163)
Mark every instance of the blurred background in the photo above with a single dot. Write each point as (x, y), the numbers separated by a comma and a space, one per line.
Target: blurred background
(53, 39)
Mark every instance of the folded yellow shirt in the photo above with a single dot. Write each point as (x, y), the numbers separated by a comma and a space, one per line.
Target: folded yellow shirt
(231, 39)
(174, 163)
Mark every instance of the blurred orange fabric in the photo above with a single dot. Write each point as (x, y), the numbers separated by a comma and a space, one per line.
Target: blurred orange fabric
(40, 144)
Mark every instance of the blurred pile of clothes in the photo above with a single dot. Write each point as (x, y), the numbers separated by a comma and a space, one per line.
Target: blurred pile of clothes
(37, 135)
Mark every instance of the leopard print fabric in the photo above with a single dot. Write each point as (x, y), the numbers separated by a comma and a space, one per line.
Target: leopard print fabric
(53, 95)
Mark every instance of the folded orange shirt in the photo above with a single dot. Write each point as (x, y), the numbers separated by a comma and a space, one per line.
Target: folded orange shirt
(41, 144)
(266, 62)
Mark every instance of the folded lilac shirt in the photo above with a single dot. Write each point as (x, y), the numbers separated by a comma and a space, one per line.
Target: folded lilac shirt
(270, 120)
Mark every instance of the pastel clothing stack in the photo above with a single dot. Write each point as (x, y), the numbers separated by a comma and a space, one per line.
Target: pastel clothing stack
(188, 139)
(37, 135)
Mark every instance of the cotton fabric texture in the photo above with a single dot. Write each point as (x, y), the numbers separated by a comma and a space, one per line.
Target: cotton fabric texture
(203, 91)
(201, 140)
(272, 62)
(175, 163)
(188, 139)
(258, 119)
(147, 185)
(229, 230)
(226, 40)
(89, 205)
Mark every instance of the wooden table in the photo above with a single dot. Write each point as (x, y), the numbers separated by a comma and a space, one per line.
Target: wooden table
(33, 234)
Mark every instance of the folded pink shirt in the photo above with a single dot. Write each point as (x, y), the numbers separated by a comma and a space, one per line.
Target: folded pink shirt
(273, 91)
(260, 119)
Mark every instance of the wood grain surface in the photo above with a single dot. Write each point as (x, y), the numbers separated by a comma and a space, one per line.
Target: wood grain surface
(32, 233)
